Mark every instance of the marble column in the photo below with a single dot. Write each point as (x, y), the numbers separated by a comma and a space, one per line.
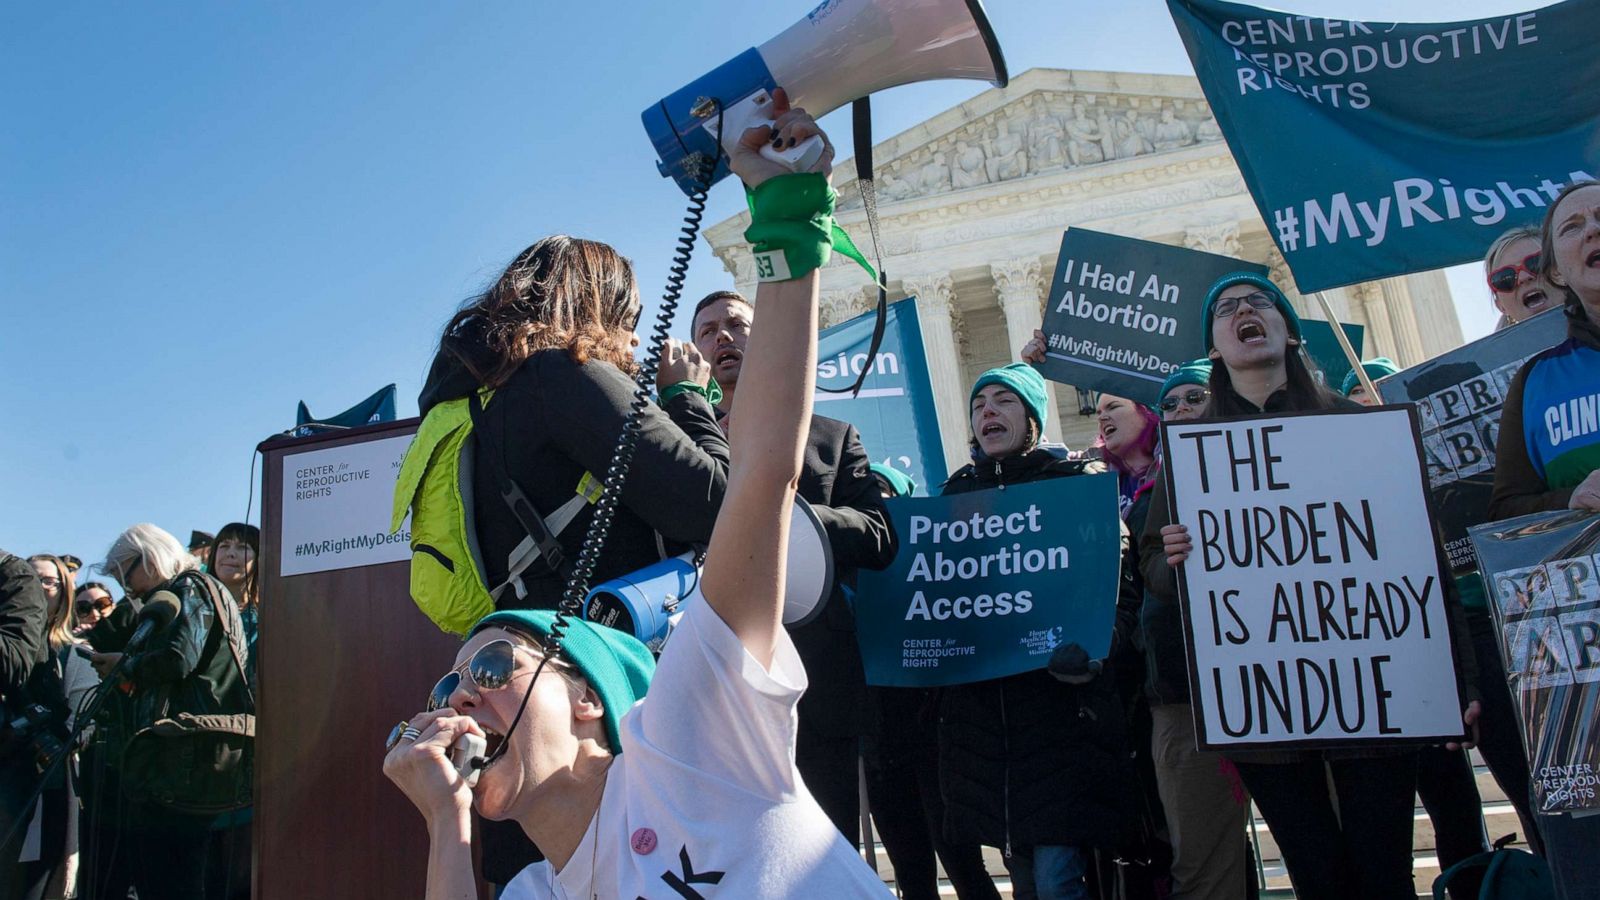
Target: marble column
(1403, 321)
(936, 309)
(1019, 285)
(841, 305)
(1381, 341)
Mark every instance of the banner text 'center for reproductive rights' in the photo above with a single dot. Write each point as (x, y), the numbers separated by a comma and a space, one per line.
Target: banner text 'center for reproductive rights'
(989, 583)
(1314, 607)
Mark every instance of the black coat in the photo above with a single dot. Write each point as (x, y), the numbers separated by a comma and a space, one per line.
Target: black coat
(554, 420)
(22, 630)
(836, 481)
(1029, 760)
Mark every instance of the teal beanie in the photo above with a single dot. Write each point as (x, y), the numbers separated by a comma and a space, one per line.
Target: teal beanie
(1290, 317)
(1382, 367)
(1024, 381)
(900, 481)
(1195, 371)
(615, 664)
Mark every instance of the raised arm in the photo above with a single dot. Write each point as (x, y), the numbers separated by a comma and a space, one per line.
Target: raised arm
(745, 565)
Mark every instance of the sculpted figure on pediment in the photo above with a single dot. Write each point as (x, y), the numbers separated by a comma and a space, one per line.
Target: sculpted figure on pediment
(932, 177)
(1207, 130)
(1083, 137)
(892, 188)
(1125, 133)
(1172, 132)
(1008, 154)
(1046, 142)
(971, 165)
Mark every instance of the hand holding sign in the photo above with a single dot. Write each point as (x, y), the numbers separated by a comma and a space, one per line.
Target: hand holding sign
(1176, 544)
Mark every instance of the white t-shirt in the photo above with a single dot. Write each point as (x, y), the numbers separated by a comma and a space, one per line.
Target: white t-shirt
(705, 800)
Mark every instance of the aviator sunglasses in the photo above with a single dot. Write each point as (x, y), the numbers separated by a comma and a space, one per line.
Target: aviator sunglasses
(1193, 398)
(1504, 279)
(489, 669)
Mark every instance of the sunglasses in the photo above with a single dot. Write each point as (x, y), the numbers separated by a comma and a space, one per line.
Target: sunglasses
(1504, 279)
(1191, 398)
(86, 607)
(490, 669)
(1230, 305)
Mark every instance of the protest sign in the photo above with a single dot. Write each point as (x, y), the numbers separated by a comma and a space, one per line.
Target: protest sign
(1375, 149)
(989, 583)
(1458, 397)
(894, 411)
(1314, 610)
(336, 507)
(1123, 313)
(1324, 349)
(1543, 572)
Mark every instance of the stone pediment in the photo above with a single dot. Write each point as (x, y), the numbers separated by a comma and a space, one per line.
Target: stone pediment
(1046, 122)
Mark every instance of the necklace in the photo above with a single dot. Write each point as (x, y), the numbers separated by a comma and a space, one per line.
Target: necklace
(594, 848)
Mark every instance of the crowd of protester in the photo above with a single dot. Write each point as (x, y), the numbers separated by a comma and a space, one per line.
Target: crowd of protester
(1084, 774)
(98, 800)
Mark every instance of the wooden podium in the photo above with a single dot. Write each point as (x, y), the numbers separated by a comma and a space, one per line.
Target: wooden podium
(343, 655)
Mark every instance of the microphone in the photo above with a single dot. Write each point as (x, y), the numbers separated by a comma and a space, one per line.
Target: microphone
(157, 613)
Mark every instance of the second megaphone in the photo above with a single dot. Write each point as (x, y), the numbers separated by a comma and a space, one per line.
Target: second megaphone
(841, 51)
(648, 603)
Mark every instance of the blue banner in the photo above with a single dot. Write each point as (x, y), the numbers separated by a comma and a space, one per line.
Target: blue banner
(989, 583)
(894, 411)
(1376, 149)
(1323, 348)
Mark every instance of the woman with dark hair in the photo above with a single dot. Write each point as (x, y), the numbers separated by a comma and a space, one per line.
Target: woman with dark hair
(1548, 458)
(232, 556)
(548, 351)
(90, 604)
(55, 872)
(1362, 847)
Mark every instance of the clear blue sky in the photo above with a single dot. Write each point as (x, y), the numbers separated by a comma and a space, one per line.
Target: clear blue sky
(209, 211)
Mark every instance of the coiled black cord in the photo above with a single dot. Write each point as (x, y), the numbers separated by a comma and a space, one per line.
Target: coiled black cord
(594, 539)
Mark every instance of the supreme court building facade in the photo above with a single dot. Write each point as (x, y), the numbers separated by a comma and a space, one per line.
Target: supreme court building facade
(973, 202)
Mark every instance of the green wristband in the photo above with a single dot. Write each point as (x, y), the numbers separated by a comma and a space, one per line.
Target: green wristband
(712, 391)
(791, 225)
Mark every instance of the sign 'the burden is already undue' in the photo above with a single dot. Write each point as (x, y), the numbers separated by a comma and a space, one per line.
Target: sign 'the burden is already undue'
(1313, 604)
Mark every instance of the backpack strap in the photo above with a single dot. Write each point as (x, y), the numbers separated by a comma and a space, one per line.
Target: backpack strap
(540, 537)
(213, 594)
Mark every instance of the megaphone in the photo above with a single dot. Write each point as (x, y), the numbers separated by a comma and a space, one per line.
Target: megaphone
(841, 51)
(648, 603)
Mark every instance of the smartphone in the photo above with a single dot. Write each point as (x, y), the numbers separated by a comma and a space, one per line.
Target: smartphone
(467, 748)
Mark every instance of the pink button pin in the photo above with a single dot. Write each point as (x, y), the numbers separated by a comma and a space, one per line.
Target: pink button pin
(643, 841)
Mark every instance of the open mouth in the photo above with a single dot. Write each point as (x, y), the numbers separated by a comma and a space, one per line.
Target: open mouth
(492, 741)
(1593, 260)
(1250, 332)
(728, 356)
(1107, 430)
(1534, 299)
(992, 428)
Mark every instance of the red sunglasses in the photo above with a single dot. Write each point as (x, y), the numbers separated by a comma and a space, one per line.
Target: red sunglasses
(1504, 279)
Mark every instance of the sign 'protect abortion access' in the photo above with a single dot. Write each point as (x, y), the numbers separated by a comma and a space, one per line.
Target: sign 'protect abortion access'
(1314, 606)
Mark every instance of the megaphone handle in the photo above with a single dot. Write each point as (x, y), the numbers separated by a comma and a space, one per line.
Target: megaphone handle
(801, 156)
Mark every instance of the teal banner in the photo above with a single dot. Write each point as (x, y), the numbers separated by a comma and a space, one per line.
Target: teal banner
(989, 583)
(894, 411)
(1323, 348)
(1123, 313)
(1376, 149)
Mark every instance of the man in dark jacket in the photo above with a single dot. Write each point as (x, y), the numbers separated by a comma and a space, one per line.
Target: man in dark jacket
(838, 484)
(1037, 763)
(22, 651)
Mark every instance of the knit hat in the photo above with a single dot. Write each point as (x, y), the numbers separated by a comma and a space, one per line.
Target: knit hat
(1024, 381)
(1290, 317)
(1195, 371)
(900, 481)
(1382, 367)
(615, 664)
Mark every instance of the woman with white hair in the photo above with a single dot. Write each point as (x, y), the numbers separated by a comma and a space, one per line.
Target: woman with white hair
(193, 664)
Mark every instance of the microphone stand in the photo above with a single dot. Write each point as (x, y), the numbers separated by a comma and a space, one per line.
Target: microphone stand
(102, 694)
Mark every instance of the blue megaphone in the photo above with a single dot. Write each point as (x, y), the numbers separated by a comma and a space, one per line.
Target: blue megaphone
(648, 603)
(841, 51)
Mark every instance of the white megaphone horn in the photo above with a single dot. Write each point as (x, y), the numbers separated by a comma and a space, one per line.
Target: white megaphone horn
(648, 603)
(841, 51)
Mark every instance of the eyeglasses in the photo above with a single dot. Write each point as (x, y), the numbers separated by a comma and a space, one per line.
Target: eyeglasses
(1504, 279)
(489, 669)
(90, 607)
(1227, 306)
(127, 568)
(50, 581)
(1191, 398)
